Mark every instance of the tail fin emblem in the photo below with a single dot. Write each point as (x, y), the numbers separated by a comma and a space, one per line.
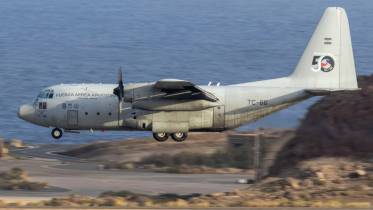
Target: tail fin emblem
(324, 63)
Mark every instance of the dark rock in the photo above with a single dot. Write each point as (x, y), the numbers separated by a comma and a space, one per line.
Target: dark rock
(291, 195)
(357, 173)
(338, 125)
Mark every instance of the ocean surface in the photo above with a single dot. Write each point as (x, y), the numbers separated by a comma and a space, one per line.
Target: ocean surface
(46, 42)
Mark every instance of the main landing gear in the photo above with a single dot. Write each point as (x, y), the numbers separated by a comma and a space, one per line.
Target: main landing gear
(57, 133)
(178, 137)
(161, 137)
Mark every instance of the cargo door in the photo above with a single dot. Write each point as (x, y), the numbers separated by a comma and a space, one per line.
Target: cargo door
(72, 118)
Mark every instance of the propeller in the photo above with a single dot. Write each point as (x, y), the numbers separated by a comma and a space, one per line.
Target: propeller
(119, 91)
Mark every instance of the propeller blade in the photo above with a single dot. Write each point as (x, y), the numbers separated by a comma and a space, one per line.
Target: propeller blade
(120, 76)
(119, 91)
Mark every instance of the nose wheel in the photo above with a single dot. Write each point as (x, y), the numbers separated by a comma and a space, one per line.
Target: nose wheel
(57, 133)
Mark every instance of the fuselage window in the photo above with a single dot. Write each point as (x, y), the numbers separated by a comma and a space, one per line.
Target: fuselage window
(98, 113)
(109, 113)
(42, 105)
(86, 113)
(63, 106)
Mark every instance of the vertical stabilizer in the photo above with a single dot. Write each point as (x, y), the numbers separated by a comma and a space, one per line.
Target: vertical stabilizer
(328, 60)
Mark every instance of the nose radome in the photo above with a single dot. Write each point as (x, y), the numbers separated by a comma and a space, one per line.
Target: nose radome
(26, 112)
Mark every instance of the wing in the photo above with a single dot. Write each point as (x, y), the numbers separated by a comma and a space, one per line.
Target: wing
(182, 89)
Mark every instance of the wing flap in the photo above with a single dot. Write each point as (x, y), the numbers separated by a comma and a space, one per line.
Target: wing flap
(182, 89)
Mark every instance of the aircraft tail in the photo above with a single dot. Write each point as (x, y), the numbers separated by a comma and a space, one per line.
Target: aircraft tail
(328, 61)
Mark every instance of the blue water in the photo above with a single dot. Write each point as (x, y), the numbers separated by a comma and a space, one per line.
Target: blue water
(46, 42)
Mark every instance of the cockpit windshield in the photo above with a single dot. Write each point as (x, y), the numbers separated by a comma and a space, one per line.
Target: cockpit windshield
(46, 94)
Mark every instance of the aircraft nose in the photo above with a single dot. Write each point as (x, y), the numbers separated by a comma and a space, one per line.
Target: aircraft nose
(26, 112)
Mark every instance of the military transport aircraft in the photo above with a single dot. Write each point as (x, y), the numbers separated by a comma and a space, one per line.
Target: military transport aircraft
(172, 107)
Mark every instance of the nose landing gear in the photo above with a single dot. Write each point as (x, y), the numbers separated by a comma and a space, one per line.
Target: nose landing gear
(57, 133)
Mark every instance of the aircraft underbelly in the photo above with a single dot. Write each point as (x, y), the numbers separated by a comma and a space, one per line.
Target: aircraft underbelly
(245, 106)
(242, 118)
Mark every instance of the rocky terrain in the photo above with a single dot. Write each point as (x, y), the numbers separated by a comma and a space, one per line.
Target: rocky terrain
(17, 179)
(202, 153)
(135, 149)
(337, 126)
(324, 182)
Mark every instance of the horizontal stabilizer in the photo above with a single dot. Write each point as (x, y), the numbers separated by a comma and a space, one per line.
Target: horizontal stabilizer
(323, 92)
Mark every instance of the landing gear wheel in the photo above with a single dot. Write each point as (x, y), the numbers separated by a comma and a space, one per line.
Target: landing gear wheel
(57, 133)
(161, 137)
(179, 137)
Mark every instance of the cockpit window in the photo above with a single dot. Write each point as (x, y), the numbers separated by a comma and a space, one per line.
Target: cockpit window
(42, 105)
(46, 94)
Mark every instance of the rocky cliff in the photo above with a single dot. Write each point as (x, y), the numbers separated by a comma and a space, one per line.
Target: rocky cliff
(339, 125)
